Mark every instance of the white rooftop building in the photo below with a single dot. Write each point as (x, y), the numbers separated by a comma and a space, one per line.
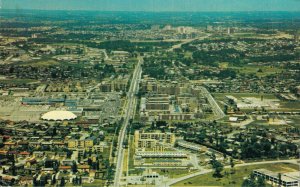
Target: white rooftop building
(58, 116)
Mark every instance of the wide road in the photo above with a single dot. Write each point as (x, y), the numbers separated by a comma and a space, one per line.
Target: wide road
(186, 41)
(215, 107)
(174, 181)
(130, 109)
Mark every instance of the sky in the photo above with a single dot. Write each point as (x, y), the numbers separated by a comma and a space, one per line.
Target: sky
(155, 5)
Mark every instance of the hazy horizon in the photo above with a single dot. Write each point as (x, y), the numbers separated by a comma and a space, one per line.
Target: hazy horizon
(154, 5)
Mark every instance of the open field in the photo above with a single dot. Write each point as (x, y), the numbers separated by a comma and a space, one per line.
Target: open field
(125, 162)
(263, 124)
(264, 70)
(235, 179)
(41, 63)
(290, 105)
(221, 96)
(284, 106)
(132, 151)
(296, 121)
(17, 81)
(173, 173)
(97, 182)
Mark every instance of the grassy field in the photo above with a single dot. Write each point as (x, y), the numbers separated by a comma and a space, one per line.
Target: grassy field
(296, 121)
(41, 63)
(97, 182)
(265, 70)
(17, 81)
(263, 124)
(290, 105)
(188, 54)
(173, 173)
(132, 151)
(235, 179)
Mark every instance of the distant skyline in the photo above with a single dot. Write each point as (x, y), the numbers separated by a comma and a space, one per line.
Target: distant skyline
(155, 5)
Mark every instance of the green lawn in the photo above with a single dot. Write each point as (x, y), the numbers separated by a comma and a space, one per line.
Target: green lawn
(263, 124)
(96, 183)
(45, 61)
(296, 121)
(173, 173)
(265, 70)
(290, 105)
(17, 81)
(237, 178)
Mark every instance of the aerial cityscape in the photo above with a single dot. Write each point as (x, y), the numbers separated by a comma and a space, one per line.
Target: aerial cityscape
(142, 94)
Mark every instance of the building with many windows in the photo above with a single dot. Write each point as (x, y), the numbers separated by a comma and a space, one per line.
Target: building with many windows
(290, 179)
(151, 140)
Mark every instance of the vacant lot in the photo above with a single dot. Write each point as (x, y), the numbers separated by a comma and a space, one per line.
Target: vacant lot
(235, 179)
(260, 71)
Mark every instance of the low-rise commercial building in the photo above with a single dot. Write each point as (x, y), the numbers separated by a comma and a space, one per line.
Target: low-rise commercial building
(189, 145)
(286, 179)
(159, 154)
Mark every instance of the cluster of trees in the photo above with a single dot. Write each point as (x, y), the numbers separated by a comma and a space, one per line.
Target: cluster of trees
(251, 147)
(157, 72)
(110, 172)
(274, 58)
(252, 181)
(43, 181)
(62, 73)
(255, 148)
(210, 58)
(214, 140)
(156, 67)
(135, 126)
(77, 181)
(217, 166)
(106, 69)
(236, 57)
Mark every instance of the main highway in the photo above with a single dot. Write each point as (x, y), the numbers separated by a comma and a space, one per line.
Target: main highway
(129, 111)
(215, 107)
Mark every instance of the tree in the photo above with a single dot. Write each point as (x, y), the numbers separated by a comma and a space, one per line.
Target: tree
(13, 167)
(279, 179)
(84, 154)
(42, 182)
(74, 167)
(90, 162)
(69, 153)
(80, 180)
(248, 183)
(202, 135)
(225, 109)
(217, 166)
(232, 165)
(35, 183)
(261, 182)
(79, 158)
(62, 182)
(53, 180)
